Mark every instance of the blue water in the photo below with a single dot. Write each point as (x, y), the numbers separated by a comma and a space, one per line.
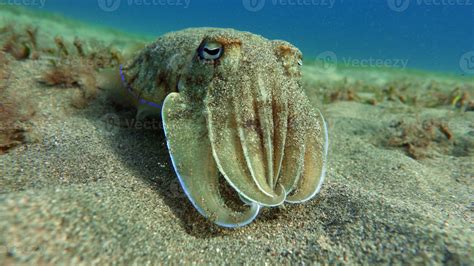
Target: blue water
(430, 34)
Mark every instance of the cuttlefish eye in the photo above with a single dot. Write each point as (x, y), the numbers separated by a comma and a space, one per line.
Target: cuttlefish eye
(210, 50)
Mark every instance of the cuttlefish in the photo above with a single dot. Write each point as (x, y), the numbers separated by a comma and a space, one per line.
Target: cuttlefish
(233, 111)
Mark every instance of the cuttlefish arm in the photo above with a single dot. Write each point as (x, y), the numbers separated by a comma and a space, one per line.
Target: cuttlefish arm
(191, 153)
(241, 139)
(314, 157)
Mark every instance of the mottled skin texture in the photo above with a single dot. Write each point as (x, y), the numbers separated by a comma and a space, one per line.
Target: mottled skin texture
(242, 117)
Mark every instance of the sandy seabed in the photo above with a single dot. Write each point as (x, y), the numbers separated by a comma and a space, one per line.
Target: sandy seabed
(85, 191)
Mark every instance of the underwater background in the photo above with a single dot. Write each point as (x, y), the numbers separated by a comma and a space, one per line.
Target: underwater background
(421, 34)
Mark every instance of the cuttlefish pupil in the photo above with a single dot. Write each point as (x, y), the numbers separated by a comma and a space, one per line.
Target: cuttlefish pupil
(243, 121)
(211, 50)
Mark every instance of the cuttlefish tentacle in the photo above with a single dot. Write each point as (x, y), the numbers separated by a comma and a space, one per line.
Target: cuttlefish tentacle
(238, 158)
(252, 123)
(315, 154)
(293, 149)
(280, 123)
(265, 115)
(191, 154)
